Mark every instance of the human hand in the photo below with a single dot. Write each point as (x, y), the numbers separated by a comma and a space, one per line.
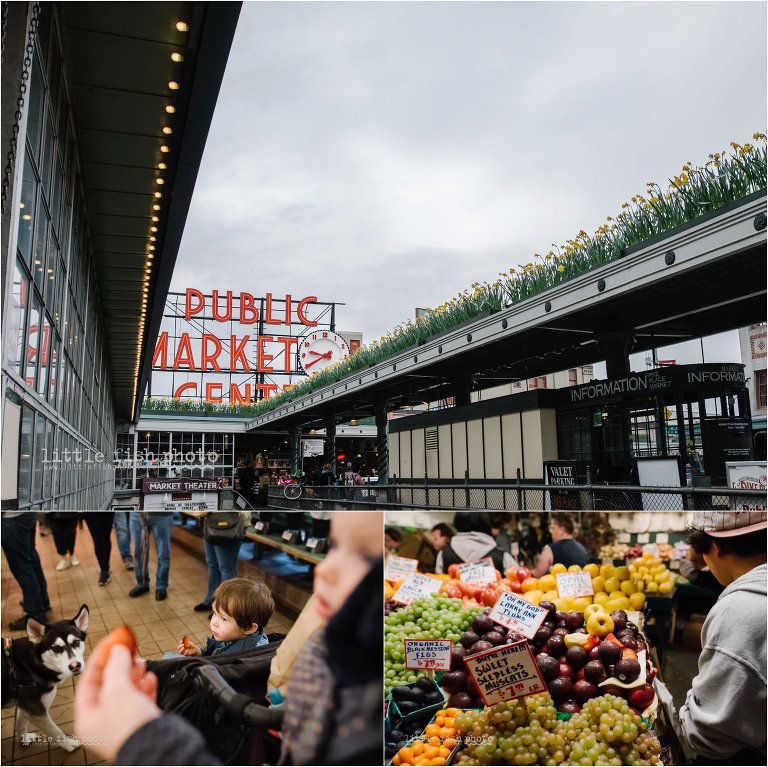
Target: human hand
(187, 647)
(112, 702)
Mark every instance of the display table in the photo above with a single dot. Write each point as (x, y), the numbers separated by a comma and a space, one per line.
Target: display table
(276, 542)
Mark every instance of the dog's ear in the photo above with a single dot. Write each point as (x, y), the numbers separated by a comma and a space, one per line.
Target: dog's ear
(35, 630)
(81, 619)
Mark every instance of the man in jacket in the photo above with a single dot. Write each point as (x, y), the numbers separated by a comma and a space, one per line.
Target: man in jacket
(723, 719)
(426, 546)
(474, 540)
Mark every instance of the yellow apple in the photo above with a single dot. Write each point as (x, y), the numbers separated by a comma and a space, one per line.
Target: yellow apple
(580, 603)
(628, 586)
(598, 583)
(592, 569)
(593, 609)
(666, 587)
(607, 571)
(574, 569)
(617, 603)
(600, 598)
(558, 568)
(600, 624)
(560, 604)
(637, 601)
(550, 596)
(622, 573)
(547, 582)
(611, 584)
(535, 596)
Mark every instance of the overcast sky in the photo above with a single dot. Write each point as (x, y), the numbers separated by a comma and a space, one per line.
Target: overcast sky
(387, 155)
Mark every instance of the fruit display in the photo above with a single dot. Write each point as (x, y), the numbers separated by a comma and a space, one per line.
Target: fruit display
(612, 551)
(433, 747)
(438, 617)
(605, 731)
(655, 576)
(615, 587)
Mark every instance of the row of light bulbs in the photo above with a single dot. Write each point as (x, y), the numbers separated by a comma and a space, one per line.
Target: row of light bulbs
(170, 109)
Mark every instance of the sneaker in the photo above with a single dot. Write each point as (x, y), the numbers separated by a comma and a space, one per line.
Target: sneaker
(128, 562)
(63, 565)
(137, 591)
(75, 561)
(202, 608)
(161, 594)
(104, 578)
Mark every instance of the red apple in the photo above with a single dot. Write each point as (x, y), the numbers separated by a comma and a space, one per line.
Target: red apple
(641, 697)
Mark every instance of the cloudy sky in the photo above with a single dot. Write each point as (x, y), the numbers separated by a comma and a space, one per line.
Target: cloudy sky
(387, 155)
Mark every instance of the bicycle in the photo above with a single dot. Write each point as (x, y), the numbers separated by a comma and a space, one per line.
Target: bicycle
(293, 489)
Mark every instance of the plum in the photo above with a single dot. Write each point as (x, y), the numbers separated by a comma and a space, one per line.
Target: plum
(595, 672)
(560, 688)
(468, 638)
(482, 624)
(584, 690)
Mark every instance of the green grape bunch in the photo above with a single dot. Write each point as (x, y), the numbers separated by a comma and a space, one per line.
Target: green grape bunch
(438, 617)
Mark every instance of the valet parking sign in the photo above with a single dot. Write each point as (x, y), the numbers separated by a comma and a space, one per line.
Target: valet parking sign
(505, 673)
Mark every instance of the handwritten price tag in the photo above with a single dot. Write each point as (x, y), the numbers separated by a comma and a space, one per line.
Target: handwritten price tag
(480, 571)
(399, 568)
(515, 613)
(417, 585)
(505, 673)
(574, 585)
(434, 654)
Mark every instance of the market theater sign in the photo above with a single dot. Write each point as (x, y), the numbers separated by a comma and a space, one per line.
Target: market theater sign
(270, 349)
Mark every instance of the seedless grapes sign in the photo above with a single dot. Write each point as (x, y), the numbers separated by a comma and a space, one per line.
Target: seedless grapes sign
(505, 673)
(434, 654)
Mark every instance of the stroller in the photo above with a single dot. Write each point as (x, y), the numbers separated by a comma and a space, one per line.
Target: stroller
(224, 697)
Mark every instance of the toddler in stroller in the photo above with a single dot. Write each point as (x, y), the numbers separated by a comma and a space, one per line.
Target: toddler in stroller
(186, 687)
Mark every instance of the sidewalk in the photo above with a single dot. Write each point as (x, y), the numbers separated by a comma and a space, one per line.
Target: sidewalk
(158, 625)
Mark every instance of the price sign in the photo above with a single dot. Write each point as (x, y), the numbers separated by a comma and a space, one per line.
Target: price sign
(515, 613)
(431, 654)
(574, 585)
(399, 568)
(505, 673)
(480, 571)
(417, 585)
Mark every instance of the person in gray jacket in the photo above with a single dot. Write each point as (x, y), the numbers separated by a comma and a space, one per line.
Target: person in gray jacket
(723, 719)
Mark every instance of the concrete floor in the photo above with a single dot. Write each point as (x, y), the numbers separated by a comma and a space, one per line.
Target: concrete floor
(158, 625)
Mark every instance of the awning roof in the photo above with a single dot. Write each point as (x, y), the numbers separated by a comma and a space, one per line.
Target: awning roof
(120, 66)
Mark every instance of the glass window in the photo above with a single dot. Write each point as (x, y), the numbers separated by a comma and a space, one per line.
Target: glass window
(25, 455)
(33, 342)
(14, 331)
(41, 242)
(45, 346)
(53, 369)
(26, 209)
(51, 272)
(50, 431)
(37, 457)
(34, 119)
(48, 155)
(761, 393)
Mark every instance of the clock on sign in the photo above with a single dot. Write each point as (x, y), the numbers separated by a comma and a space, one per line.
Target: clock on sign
(319, 350)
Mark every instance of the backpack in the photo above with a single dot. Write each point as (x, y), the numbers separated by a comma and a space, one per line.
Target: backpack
(178, 692)
(223, 528)
(450, 557)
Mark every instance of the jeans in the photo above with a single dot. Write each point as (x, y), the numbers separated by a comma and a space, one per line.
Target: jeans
(159, 526)
(222, 565)
(100, 527)
(123, 533)
(18, 542)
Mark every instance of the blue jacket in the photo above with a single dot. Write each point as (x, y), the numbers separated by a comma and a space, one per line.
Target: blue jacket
(249, 642)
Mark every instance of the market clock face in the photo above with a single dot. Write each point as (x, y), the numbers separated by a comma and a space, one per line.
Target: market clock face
(319, 350)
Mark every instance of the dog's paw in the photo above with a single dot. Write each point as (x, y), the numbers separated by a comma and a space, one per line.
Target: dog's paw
(69, 744)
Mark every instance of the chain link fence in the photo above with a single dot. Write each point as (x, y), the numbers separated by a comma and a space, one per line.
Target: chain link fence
(517, 497)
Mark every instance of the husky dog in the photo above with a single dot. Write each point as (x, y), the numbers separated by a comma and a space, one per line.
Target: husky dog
(34, 665)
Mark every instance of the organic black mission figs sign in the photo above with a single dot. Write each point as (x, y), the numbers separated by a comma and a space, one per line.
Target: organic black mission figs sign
(505, 673)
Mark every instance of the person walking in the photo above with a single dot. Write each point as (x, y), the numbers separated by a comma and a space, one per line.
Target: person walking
(100, 527)
(222, 563)
(123, 536)
(63, 525)
(158, 525)
(18, 543)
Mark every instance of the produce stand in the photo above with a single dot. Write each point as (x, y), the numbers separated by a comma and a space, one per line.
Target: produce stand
(588, 667)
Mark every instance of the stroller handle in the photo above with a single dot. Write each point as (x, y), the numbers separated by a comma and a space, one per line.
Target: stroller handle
(209, 679)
